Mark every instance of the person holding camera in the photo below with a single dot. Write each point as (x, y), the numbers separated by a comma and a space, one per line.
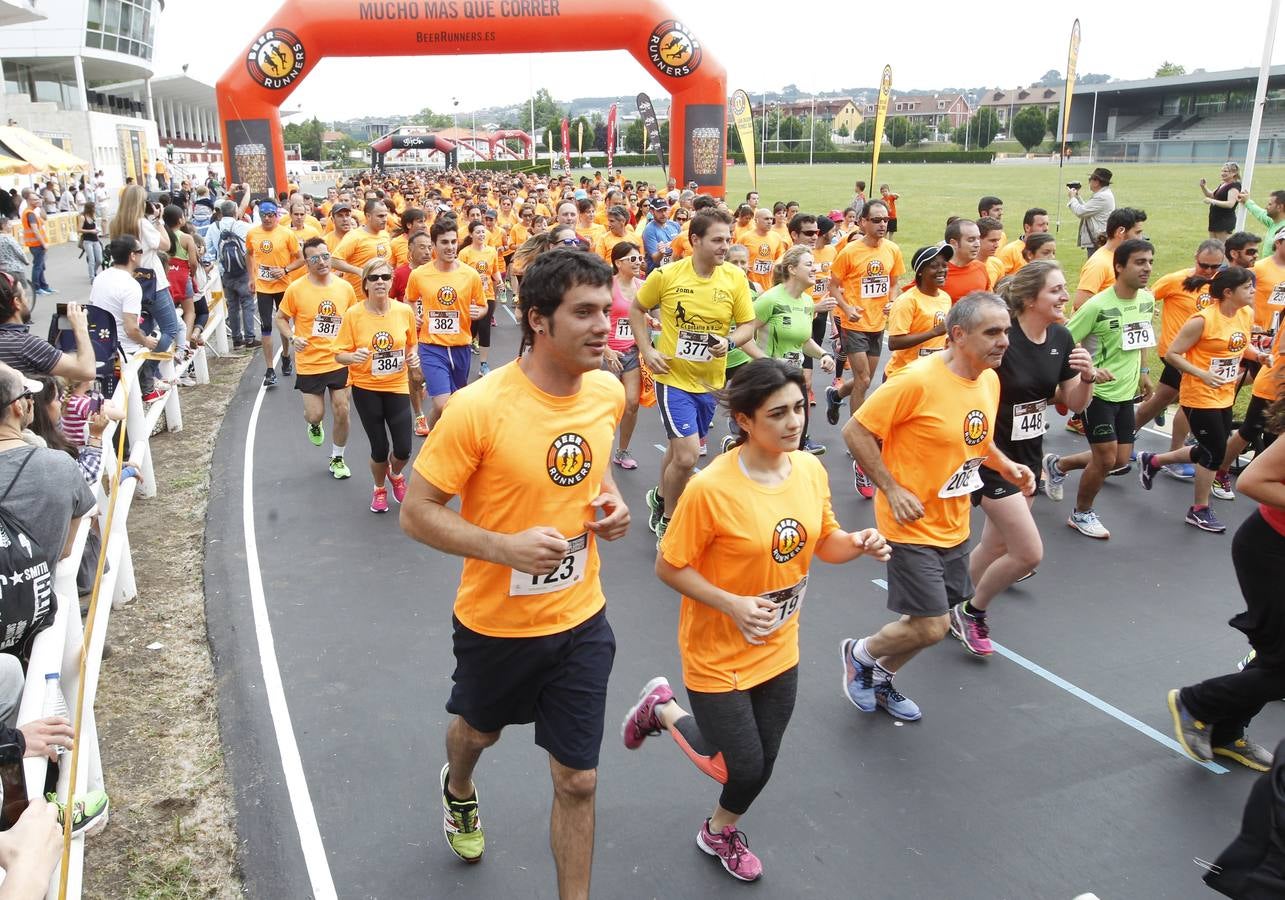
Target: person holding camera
(1092, 212)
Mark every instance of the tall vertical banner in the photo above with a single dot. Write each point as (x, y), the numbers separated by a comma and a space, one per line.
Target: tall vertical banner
(1072, 55)
(611, 136)
(743, 119)
(651, 129)
(566, 146)
(881, 116)
(580, 137)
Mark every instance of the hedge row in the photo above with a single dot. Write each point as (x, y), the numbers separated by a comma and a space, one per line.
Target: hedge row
(631, 160)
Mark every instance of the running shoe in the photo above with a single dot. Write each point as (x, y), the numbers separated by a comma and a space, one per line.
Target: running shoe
(1088, 524)
(399, 486)
(483, 369)
(316, 434)
(1133, 454)
(1119, 471)
(655, 509)
(1030, 574)
(1245, 660)
(421, 426)
(732, 850)
(462, 825)
(971, 631)
(1192, 734)
(339, 468)
(88, 812)
(494, 324)
(287, 367)
(832, 401)
(1160, 418)
(1147, 470)
(813, 447)
(1222, 486)
(1053, 477)
(640, 722)
(704, 447)
(1247, 753)
(1075, 424)
(729, 441)
(1181, 471)
(1203, 518)
(269, 378)
(812, 398)
(895, 703)
(379, 500)
(661, 526)
(861, 481)
(858, 678)
(153, 395)
(624, 459)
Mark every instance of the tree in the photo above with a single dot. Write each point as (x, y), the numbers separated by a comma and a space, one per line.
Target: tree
(1051, 78)
(843, 131)
(1029, 126)
(430, 119)
(979, 132)
(822, 138)
(1054, 119)
(634, 136)
(865, 132)
(899, 131)
(548, 114)
(1093, 78)
(307, 135)
(1168, 69)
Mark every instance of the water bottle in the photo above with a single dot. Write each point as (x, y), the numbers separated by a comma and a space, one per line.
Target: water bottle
(55, 702)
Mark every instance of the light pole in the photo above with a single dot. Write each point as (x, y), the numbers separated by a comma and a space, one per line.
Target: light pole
(455, 124)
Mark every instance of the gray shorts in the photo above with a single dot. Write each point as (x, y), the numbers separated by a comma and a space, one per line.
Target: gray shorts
(927, 581)
(628, 361)
(867, 342)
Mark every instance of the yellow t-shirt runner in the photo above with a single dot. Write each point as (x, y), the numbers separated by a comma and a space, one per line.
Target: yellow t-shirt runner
(1221, 345)
(318, 314)
(691, 309)
(518, 457)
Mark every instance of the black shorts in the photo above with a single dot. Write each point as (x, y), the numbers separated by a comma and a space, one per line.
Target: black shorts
(1107, 422)
(892, 226)
(1170, 377)
(321, 382)
(558, 681)
(996, 487)
(1255, 422)
(268, 304)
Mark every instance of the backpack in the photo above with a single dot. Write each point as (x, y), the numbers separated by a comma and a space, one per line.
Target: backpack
(231, 254)
(27, 601)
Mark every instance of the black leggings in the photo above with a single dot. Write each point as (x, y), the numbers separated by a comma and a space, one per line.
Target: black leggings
(1231, 701)
(1255, 424)
(1210, 428)
(384, 413)
(482, 325)
(734, 737)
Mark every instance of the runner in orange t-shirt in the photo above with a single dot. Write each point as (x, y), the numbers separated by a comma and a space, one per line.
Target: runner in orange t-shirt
(488, 263)
(271, 253)
(923, 436)
(309, 319)
(738, 550)
(526, 451)
(765, 247)
(965, 273)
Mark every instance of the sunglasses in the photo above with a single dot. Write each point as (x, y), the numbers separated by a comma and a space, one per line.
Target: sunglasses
(25, 395)
(635, 258)
(570, 242)
(810, 233)
(1208, 267)
(385, 276)
(319, 257)
(876, 220)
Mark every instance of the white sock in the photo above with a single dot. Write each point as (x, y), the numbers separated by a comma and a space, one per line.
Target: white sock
(861, 654)
(336, 450)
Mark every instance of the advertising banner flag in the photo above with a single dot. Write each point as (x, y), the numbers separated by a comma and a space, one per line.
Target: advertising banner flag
(743, 119)
(881, 117)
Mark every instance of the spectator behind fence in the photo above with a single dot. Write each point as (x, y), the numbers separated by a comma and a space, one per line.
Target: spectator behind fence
(14, 257)
(117, 292)
(43, 493)
(233, 269)
(31, 355)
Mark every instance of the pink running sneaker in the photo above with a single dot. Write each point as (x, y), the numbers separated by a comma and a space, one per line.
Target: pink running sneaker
(861, 481)
(641, 722)
(379, 500)
(971, 631)
(399, 487)
(732, 850)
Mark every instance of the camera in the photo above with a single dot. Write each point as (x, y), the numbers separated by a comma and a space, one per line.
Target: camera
(1074, 185)
(64, 323)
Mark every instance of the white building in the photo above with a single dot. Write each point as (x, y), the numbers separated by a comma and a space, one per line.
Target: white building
(63, 67)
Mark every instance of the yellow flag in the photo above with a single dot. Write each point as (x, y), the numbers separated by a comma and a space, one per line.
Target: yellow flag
(743, 119)
(1072, 54)
(881, 115)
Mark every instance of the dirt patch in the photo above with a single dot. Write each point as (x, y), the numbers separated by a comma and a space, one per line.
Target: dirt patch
(172, 831)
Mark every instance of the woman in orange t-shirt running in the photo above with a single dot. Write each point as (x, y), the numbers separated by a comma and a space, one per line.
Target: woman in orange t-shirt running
(738, 549)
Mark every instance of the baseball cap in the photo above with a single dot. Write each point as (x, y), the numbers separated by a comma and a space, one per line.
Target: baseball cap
(29, 386)
(925, 255)
(340, 205)
(658, 203)
(267, 208)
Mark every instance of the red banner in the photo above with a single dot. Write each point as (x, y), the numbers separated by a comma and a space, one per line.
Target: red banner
(566, 146)
(611, 136)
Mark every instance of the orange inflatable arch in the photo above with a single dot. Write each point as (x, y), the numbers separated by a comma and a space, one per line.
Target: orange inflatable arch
(303, 32)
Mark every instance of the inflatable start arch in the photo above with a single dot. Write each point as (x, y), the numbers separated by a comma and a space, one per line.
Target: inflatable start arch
(303, 32)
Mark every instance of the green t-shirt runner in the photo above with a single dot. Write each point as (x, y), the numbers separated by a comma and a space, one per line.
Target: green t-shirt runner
(1117, 332)
(788, 323)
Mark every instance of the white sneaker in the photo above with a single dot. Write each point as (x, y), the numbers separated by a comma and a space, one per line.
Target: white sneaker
(1088, 524)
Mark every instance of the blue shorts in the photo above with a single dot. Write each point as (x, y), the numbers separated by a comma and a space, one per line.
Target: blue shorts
(684, 414)
(445, 368)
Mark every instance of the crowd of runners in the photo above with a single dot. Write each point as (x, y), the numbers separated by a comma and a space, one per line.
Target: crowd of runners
(629, 296)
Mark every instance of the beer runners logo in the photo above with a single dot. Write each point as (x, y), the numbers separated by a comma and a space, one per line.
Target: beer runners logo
(875, 267)
(975, 428)
(788, 538)
(1202, 300)
(939, 318)
(1237, 341)
(738, 104)
(765, 250)
(382, 341)
(275, 59)
(327, 308)
(569, 460)
(673, 50)
(446, 295)
(265, 246)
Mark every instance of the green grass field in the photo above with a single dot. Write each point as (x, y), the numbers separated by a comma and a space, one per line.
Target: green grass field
(1176, 215)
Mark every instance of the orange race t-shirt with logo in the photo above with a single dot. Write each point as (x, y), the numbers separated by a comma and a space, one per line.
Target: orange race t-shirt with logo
(765, 250)
(748, 539)
(1011, 256)
(318, 313)
(359, 247)
(389, 338)
(441, 301)
(520, 458)
(486, 262)
(823, 259)
(270, 250)
(1268, 382)
(1222, 343)
(867, 276)
(929, 406)
(913, 312)
(1098, 272)
(1180, 305)
(1269, 295)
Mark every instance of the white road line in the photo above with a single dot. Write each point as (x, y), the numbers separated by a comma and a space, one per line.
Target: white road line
(508, 309)
(1096, 702)
(314, 854)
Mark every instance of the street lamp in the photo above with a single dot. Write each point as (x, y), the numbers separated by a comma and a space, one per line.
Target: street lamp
(455, 121)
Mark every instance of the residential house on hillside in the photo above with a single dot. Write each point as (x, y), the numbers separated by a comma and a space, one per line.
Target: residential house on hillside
(1007, 104)
(938, 113)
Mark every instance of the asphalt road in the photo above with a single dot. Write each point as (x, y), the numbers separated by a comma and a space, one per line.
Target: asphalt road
(1010, 787)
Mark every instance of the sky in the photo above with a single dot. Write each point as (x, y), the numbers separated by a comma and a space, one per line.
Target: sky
(843, 45)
